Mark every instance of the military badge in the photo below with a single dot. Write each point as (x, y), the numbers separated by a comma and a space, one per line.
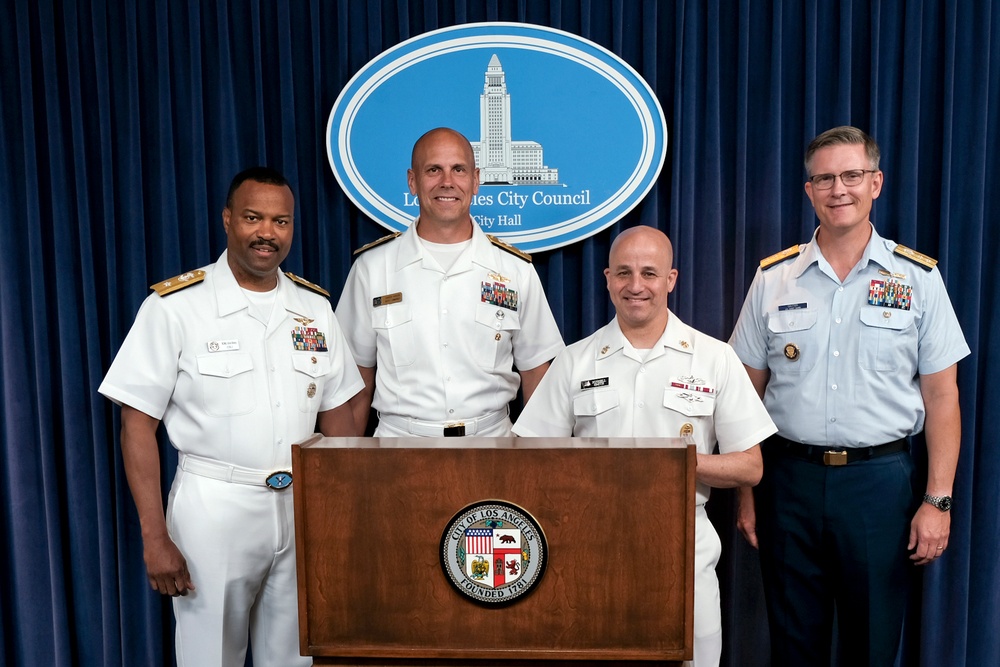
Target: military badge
(309, 339)
(493, 552)
(890, 293)
(498, 294)
(792, 352)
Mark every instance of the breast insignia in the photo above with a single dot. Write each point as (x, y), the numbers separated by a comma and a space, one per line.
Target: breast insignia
(506, 247)
(916, 257)
(308, 285)
(377, 242)
(779, 257)
(178, 283)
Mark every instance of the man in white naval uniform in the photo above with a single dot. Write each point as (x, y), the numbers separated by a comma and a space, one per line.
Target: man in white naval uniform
(439, 317)
(647, 374)
(238, 360)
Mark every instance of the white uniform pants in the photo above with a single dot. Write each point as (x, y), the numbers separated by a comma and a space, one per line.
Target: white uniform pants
(707, 605)
(239, 543)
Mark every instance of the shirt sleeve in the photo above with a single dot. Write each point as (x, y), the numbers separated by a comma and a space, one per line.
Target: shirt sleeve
(940, 341)
(354, 313)
(538, 339)
(749, 339)
(549, 412)
(346, 380)
(741, 420)
(144, 372)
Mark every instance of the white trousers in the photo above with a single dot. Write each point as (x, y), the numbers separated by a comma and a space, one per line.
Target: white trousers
(239, 543)
(707, 602)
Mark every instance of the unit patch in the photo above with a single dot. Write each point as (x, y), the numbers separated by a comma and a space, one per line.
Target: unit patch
(493, 552)
(309, 338)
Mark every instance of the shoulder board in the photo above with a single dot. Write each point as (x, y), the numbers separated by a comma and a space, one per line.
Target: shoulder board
(916, 257)
(509, 248)
(779, 257)
(178, 283)
(377, 242)
(305, 283)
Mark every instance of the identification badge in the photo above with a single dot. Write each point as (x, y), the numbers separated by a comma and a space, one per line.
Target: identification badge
(596, 382)
(395, 297)
(792, 306)
(223, 345)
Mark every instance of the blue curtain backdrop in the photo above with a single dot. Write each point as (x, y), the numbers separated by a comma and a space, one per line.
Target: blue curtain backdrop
(121, 124)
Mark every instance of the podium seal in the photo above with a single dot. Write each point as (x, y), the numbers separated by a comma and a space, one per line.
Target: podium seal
(493, 552)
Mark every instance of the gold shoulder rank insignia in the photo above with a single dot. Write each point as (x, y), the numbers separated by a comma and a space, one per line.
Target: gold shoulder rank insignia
(377, 242)
(509, 248)
(308, 285)
(178, 283)
(779, 257)
(916, 257)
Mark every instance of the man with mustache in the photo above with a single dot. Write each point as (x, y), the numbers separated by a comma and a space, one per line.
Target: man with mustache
(239, 361)
(852, 342)
(444, 321)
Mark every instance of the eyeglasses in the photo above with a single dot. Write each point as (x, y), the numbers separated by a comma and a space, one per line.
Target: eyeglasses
(849, 178)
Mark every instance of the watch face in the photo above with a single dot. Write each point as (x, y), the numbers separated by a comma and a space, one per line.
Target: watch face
(944, 504)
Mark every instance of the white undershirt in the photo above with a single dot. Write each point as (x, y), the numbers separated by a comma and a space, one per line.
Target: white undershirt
(445, 254)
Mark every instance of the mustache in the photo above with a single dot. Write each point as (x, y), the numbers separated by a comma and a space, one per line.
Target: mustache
(264, 242)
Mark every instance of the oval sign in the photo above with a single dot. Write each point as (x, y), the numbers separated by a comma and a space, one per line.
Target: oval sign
(567, 136)
(493, 552)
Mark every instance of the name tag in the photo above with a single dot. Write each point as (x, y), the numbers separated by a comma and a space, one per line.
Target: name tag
(223, 345)
(792, 306)
(596, 382)
(387, 299)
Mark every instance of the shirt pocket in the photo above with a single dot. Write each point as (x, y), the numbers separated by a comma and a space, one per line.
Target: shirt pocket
(311, 371)
(493, 341)
(597, 413)
(394, 323)
(887, 336)
(226, 382)
(794, 345)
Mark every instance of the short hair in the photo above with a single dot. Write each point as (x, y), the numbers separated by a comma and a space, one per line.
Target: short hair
(840, 136)
(265, 175)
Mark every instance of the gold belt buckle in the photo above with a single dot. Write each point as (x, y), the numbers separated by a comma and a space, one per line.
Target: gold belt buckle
(835, 458)
(456, 430)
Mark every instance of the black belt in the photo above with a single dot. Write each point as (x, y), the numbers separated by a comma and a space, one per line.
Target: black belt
(831, 456)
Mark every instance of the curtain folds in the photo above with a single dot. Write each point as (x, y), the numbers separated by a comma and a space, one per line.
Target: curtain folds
(121, 124)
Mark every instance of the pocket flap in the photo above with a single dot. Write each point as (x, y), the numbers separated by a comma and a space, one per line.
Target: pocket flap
(785, 321)
(689, 403)
(225, 365)
(386, 317)
(595, 402)
(313, 365)
(495, 317)
(886, 318)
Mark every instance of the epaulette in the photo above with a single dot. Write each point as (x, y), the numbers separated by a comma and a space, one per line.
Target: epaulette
(178, 283)
(308, 285)
(779, 257)
(377, 242)
(509, 248)
(916, 257)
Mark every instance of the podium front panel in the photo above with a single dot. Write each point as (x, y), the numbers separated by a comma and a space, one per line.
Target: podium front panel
(618, 519)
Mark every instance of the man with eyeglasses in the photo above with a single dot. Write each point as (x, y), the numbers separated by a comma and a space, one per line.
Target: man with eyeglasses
(852, 342)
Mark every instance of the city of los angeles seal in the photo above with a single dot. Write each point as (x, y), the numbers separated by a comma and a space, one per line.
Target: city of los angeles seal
(493, 552)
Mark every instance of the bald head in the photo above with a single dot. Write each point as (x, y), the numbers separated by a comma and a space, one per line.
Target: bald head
(437, 136)
(640, 276)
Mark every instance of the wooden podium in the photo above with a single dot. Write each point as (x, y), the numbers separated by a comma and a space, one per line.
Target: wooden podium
(617, 516)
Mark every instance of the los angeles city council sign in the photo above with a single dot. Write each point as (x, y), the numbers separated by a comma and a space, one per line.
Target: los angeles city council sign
(567, 136)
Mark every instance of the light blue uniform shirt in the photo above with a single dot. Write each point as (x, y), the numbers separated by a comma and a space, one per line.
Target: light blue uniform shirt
(854, 381)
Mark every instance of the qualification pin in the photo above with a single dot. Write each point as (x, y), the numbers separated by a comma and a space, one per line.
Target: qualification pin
(687, 429)
(792, 351)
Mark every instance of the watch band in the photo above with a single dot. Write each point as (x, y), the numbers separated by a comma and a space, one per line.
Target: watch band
(943, 503)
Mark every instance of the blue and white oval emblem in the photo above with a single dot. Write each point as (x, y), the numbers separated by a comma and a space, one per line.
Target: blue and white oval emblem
(279, 481)
(493, 552)
(567, 136)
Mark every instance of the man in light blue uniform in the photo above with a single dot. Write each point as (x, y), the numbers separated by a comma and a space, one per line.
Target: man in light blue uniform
(852, 342)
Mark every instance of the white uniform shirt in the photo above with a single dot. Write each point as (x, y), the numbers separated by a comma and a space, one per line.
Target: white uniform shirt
(844, 371)
(446, 343)
(228, 386)
(602, 387)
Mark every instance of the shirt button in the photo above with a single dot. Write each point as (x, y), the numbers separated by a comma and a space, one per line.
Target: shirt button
(836, 353)
(642, 369)
(837, 320)
(833, 419)
(278, 404)
(445, 311)
(641, 404)
(446, 344)
(834, 387)
(280, 440)
(840, 289)
(451, 412)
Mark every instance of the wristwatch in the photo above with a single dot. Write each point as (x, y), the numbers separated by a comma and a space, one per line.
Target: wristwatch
(943, 503)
